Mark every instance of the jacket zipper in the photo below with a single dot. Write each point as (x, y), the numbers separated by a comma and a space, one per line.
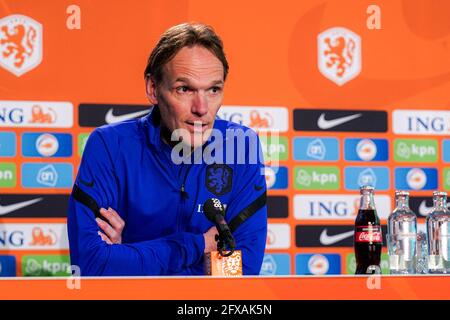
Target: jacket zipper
(184, 196)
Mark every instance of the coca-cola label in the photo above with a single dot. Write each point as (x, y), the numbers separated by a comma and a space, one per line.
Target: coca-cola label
(368, 234)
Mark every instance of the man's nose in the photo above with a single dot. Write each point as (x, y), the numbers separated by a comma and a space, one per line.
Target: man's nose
(199, 104)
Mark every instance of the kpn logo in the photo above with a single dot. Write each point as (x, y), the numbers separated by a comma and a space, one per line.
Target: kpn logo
(82, 140)
(45, 266)
(316, 178)
(447, 178)
(351, 263)
(274, 148)
(8, 175)
(410, 150)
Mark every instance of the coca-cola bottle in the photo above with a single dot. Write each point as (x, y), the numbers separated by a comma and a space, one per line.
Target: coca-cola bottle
(368, 239)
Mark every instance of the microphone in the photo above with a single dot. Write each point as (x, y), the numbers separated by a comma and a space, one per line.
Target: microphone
(215, 213)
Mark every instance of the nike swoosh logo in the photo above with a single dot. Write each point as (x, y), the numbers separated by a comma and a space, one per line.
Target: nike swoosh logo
(87, 184)
(324, 124)
(326, 240)
(424, 210)
(16, 206)
(111, 118)
(258, 188)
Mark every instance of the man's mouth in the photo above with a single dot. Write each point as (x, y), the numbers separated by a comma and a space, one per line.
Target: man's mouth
(197, 126)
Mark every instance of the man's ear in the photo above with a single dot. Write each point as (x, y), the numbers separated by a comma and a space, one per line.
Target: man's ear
(150, 87)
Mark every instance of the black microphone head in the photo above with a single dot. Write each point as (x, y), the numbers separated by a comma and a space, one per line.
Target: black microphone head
(212, 207)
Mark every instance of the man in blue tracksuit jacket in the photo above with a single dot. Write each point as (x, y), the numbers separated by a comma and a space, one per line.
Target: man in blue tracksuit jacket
(136, 211)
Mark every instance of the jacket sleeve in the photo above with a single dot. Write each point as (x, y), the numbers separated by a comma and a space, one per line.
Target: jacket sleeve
(96, 178)
(249, 194)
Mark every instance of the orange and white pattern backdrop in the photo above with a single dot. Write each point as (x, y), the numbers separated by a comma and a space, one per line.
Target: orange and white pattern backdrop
(359, 92)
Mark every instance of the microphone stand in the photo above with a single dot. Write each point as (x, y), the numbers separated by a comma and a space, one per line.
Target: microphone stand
(222, 243)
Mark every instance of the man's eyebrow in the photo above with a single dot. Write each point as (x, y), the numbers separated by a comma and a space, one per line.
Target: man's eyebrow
(186, 80)
(182, 80)
(217, 82)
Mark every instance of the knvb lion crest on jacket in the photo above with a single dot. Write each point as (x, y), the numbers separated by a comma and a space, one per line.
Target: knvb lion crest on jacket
(339, 54)
(20, 44)
(219, 179)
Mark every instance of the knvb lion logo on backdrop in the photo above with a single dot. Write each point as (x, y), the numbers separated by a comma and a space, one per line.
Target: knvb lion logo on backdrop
(339, 54)
(20, 44)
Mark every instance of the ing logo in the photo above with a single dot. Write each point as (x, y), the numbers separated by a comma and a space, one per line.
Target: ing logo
(339, 54)
(20, 44)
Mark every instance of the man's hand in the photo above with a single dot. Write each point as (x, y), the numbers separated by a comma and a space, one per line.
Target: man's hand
(210, 239)
(112, 231)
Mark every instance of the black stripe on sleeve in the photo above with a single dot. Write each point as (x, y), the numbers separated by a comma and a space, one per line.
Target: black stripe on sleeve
(88, 201)
(248, 212)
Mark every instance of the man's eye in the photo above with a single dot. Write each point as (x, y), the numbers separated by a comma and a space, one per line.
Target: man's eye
(216, 89)
(182, 89)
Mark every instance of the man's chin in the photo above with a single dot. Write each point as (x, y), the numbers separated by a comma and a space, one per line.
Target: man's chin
(197, 139)
(192, 138)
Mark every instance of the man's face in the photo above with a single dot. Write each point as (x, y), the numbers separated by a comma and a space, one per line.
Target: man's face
(189, 94)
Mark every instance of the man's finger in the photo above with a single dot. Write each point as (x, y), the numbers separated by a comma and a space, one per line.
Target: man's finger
(110, 232)
(113, 217)
(119, 223)
(104, 238)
